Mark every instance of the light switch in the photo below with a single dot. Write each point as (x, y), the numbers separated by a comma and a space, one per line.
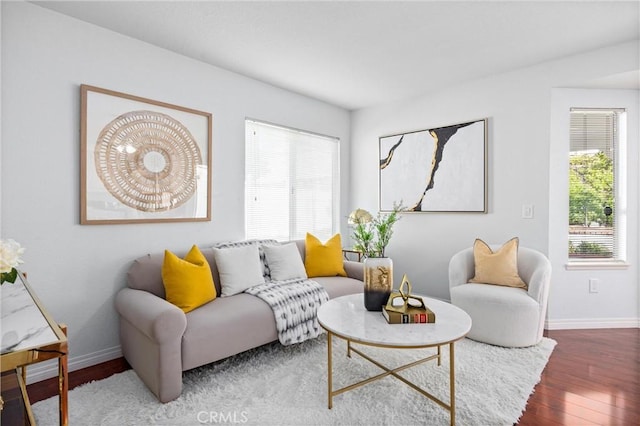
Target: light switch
(527, 211)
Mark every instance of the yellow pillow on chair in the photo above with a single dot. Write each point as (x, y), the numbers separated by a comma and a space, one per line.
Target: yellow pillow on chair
(188, 283)
(499, 267)
(323, 260)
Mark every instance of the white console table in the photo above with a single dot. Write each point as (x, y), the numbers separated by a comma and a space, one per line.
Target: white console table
(29, 335)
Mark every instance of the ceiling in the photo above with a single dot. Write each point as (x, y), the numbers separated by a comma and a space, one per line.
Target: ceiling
(363, 53)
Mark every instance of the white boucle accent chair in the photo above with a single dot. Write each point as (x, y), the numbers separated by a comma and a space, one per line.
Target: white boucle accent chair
(503, 316)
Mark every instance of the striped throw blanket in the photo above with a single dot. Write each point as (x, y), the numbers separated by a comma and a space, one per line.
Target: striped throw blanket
(295, 304)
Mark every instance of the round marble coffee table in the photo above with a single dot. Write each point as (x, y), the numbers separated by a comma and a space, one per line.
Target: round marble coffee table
(347, 318)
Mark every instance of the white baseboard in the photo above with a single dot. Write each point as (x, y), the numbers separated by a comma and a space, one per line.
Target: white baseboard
(48, 369)
(580, 324)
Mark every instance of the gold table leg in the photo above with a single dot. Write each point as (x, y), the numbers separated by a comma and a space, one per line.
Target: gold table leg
(329, 369)
(452, 384)
(451, 407)
(63, 385)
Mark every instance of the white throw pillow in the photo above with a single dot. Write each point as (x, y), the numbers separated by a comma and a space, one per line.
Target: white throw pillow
(285, 262)
(239, 268)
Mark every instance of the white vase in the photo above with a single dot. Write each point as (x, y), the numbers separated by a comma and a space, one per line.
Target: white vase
(378, 282)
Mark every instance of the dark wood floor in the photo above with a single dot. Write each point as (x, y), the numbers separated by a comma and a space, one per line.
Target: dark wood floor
(593, 378)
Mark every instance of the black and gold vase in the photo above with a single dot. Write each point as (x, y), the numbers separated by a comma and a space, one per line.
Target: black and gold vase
(378, 282)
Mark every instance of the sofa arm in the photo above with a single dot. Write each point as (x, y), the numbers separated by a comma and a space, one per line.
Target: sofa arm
(538, 284)
(151, 332)
(354, 270)
(153, 316)
(461, 268)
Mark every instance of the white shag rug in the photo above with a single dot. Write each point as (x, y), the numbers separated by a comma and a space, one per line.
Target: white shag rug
(276, 385)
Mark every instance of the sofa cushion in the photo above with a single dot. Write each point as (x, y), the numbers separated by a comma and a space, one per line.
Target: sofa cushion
(503, 316)
(499, 267)
(324, 260)
(188, 283)
(340, 286)
(284, 262)
(226, 326)
(239, 268)
(145, 273)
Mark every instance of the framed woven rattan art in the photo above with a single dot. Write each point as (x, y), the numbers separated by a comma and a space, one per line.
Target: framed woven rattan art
(142, 160)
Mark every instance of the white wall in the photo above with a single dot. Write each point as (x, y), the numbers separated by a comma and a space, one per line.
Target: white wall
(76, 270)
(518, 106)
(1, 37)
(570, 303)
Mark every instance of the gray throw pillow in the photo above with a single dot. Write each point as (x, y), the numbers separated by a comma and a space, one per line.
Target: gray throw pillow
(239, 268)
(284, 262)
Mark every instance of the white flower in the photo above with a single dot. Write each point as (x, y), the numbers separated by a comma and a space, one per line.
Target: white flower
(10, 252)
(359, 217)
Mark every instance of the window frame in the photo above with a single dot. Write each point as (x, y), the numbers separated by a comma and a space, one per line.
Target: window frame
(619, 256)
(293, 194)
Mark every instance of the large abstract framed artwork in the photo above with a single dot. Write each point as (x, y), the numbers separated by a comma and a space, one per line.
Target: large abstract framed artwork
(142, 160)
(443, 169)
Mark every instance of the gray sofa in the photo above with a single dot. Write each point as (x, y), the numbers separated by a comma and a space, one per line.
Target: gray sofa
(160, 341)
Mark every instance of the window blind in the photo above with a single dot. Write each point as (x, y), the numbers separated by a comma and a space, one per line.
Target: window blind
(291, 182)
(593, 201)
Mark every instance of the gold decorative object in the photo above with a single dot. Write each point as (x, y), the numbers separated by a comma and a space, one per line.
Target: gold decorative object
(403, 308)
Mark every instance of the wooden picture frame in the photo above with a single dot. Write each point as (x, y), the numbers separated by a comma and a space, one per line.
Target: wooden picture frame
(142, 160)
(442, 169)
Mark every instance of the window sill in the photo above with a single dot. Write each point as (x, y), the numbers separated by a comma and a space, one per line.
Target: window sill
(596, 264)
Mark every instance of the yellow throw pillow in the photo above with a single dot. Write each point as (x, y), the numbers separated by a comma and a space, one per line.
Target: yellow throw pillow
(323, 260)
(188, 283)
(500, 267)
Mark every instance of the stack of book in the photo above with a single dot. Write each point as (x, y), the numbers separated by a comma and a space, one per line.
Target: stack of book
(412, 315)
